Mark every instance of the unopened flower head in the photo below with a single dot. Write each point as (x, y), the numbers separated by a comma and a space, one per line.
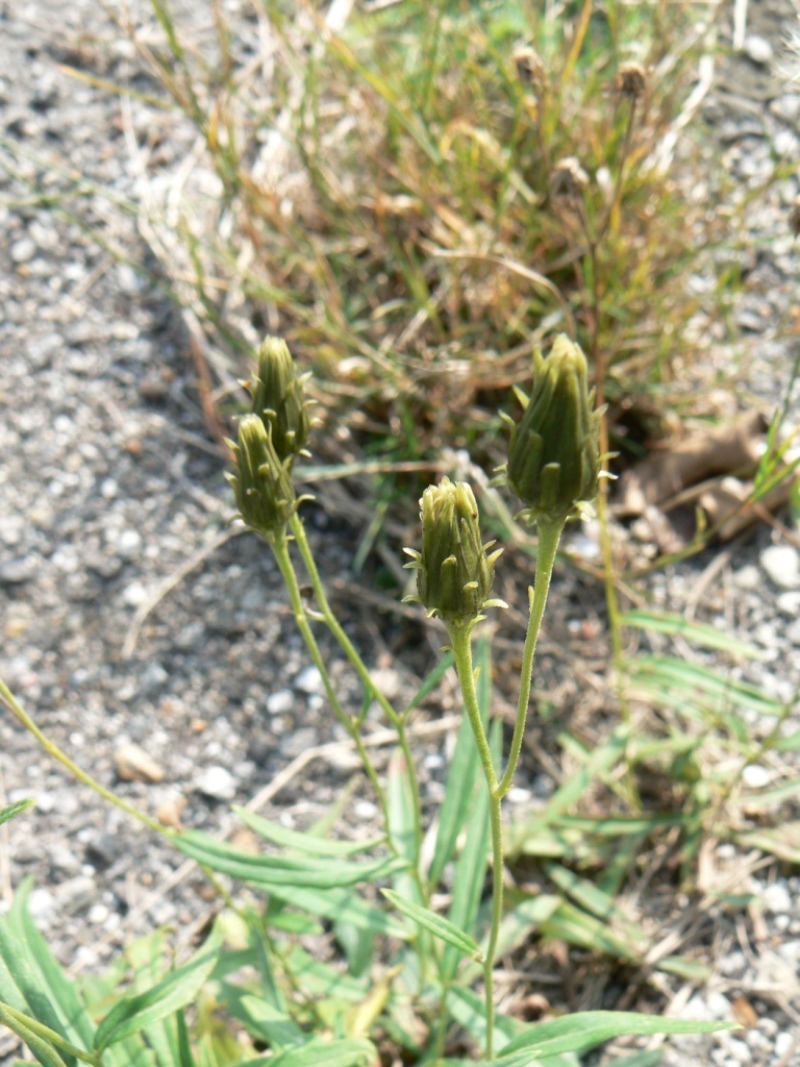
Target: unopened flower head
(631, 80)
(262, 484)
(277, 398)
(569, 179)
(553, 457)
(455, 570)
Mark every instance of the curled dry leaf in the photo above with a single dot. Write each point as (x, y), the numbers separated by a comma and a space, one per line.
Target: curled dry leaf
(734, 446)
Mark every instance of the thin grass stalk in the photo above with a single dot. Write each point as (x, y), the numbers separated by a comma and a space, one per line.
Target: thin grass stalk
(461, 640)
(280, 548)
(549, 537)
(333, 624)
(52, 749)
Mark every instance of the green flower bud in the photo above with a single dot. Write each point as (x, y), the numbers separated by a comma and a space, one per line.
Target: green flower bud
(554, 455)
(454, 572)
(262, 484)
(277, 398)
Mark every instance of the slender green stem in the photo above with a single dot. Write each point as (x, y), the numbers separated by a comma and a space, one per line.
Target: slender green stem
(53, 750)
(333, 624)
(40, 1038)
(461, 639)
(549, 537)
(280, 548)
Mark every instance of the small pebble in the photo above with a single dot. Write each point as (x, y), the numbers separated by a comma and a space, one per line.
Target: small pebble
(23, 251)
(782, 564)
(309, 680)
(281, 702)
(217, 783)
(758, 49)
(776, 899)
(756, 777)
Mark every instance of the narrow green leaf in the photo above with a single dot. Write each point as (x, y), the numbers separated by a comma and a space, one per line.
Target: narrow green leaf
(697, 633)
(176, 990)
(61, 991)
(617, 825)
(782, 841)
(443, 665)
(276, 871)
(15, 809)
(582, 1031)
(261, 1020)
(469, 1010)
(42, 1049)
(673, 680)
(576, 927)
(599, 763)
(303, 842)
(321, 980)
(21, 968)
(347, 1053)
(342, 905)
(436, 924)
(639, 1059)
(601, 905)
(147, 960)
(692, 970)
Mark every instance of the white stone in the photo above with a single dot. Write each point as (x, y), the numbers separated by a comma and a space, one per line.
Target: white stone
(789, 604)
(756, 777)
(747, 577)
(309, 680)
(217, 782)
(782, 564)
(758, 49)
(776, 899)
(783, 1042)
(281, 702)
(793, 632)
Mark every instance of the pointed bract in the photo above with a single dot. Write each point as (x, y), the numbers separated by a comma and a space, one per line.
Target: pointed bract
(455, 571)
(277, 399)
(554, 456)
(262, 484)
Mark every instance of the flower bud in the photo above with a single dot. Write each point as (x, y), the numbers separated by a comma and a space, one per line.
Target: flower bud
(262, 484)
(553, 457)
(277, 398)
(454, 571)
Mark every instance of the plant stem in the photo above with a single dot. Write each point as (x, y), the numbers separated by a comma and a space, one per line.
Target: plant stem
(549, 537)
(53, 750)
(461, 639)
(333, 624)
(280, 547)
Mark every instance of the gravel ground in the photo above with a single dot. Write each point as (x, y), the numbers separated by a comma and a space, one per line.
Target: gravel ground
(111, 490)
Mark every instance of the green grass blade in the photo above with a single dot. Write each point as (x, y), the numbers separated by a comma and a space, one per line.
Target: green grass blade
(176, 990)
(302, 842)
(471, 865)
(342, 905)
(15, 809)
(697, 633)
(436, 924)
(346, 1053)
(582, 1031)
(431, 681)
(42, 1049)
(459, 795)
(275, 871)
(76, 1026)
(260, 1019)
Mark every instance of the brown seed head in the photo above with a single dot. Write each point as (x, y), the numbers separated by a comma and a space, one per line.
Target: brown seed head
(631, 81)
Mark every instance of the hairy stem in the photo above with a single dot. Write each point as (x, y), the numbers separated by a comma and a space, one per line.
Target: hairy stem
(461, 639)
(549, 537)
(333, 624)
(280, 548)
